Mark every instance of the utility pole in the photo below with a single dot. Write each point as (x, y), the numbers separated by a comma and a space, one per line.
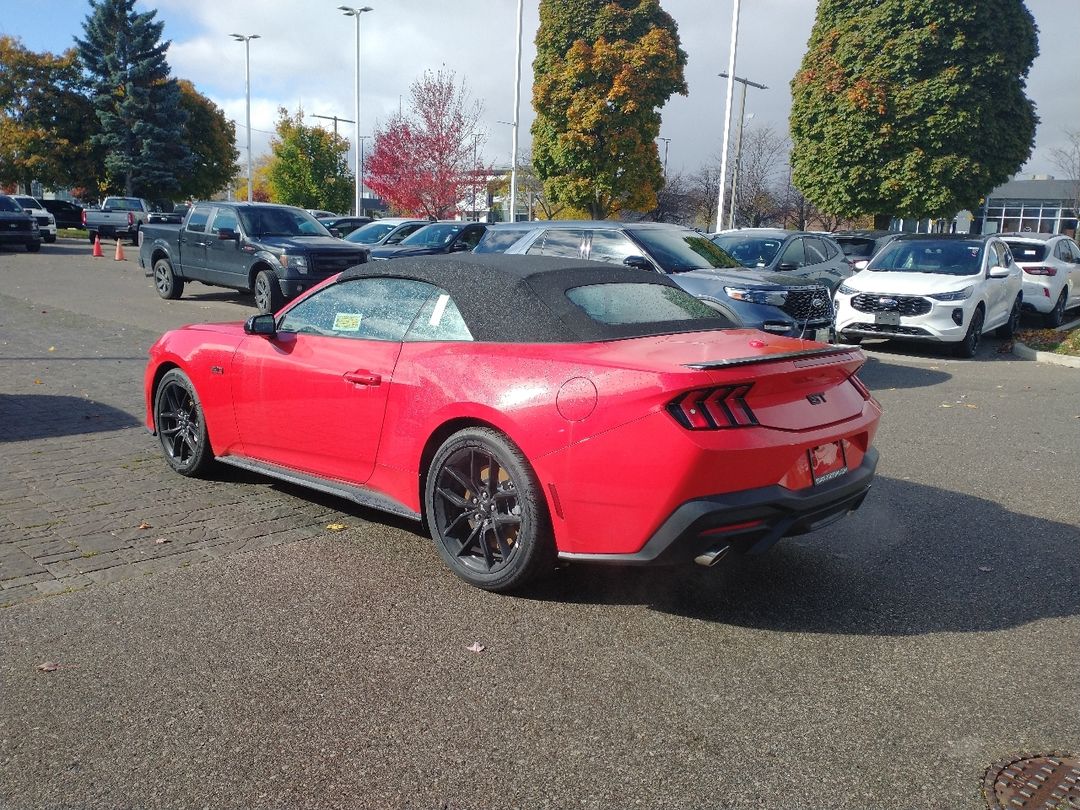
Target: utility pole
(335, 119)
(727, 114)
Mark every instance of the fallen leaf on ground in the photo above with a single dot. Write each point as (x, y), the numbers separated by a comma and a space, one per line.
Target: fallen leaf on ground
(985, 568)
(162, 541)
(38, 382)
(52, 348)
(48, 666)
(336, 527)
(144, 525)
(945, 405)
(476, 647)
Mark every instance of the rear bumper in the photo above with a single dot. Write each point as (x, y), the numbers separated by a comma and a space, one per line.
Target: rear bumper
(754, 520)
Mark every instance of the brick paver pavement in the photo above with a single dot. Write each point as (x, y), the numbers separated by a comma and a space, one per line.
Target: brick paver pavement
(85, 496)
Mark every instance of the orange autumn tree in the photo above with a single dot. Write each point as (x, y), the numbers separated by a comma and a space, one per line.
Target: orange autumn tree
(603, 70)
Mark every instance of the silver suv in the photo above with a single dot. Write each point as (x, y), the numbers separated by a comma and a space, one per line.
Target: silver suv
(800, 253)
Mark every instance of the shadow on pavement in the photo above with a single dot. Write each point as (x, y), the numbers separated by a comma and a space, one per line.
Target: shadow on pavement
(990, 348)
(913, 560)
(880, 374)
(29, 416)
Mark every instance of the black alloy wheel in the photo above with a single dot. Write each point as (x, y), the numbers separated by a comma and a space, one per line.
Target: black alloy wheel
(181, 428)
(166, 283)
(1011, 326)
(1054, 317)
(486, 512)
(970, 344)
(268, 297)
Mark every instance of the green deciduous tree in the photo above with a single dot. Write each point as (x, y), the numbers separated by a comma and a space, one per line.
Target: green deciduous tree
(603, 70)
(309, 166)
(46, 121)
(912, 107)
(137, 104)
(211, 137)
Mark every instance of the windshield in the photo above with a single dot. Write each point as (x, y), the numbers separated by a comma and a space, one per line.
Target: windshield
(371, 233)
(435, 234)
(679, 250)
(8, 204)
(750, 251)
(952, 257)
(280, 222)
(27, 202)
(1027, 251)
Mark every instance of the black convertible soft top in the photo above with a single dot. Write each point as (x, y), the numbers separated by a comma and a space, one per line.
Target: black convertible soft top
(522, 299)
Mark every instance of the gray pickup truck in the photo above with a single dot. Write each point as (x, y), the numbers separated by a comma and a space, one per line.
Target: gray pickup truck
(275, 251)
(117, 217)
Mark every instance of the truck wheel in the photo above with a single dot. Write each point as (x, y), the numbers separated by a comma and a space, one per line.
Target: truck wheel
(92, 235)
(33, 247)
(268, 297)
(168, 285)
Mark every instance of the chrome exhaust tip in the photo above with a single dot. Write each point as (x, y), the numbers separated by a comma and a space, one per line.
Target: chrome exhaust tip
(713, 555)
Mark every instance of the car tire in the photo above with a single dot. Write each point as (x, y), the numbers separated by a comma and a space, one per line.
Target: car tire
(1054, 317)
(493, 533)
(181, 426)
(268, 297)
(33, 247)
(1011, 326)
(967, 347)
(91, 235)
(851, 340)
(167, 284)
(50, 238)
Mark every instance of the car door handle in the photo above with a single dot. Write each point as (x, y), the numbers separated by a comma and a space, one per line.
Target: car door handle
(363, 378)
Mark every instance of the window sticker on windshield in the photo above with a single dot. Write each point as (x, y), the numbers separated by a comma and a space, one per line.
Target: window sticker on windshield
(347, 322)
(440, 308)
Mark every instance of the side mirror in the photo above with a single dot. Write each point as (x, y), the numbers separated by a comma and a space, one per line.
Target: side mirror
(459, 247)
(335, 233)
(787, 266)
(999, 272)
(261, 325)
(640, 262)
(226, 234)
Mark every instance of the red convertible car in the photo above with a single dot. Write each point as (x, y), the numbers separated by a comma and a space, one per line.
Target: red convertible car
(527, 409)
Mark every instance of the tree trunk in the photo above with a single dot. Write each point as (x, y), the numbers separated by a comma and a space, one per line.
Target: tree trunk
(882, 222)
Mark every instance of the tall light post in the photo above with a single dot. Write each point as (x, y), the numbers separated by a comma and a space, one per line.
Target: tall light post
(360, 212)
(738, 141)
(517, 107)
(246, 39)
(350, 11)
(666, 142)
(727, 114)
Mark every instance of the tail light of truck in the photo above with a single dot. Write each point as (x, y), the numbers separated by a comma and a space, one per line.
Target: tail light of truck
(131, 219)
(84, 216)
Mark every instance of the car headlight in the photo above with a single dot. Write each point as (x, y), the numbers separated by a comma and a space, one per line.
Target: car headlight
(774, 298)
(844, 289)
(955, 295)
(297, 263)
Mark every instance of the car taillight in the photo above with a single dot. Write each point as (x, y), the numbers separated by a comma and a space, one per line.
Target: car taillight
(84, 216)
(713, 408)
(1041, 271)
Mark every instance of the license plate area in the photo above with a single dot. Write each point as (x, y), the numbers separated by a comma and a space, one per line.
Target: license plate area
(887, 318)
(827, 462)
(822, 335)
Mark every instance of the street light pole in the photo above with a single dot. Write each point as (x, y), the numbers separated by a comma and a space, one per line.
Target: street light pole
(355, 13)
(517, 107)
(727, 114)
(666, 142)
(360, 211)
(335, 119)
(247, 84)
(738, 141)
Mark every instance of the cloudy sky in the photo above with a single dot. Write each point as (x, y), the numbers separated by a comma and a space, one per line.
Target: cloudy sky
(305, 58)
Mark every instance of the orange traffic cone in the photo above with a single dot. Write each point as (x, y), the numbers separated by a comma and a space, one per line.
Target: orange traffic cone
(97, 254)
(119, 257)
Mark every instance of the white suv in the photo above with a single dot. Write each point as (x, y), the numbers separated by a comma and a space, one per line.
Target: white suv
(1051, 265)
(45, 220)
(933, 287)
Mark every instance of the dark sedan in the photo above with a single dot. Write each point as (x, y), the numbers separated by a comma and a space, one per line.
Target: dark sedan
(343, 225)
(438, 237)
(67, 214)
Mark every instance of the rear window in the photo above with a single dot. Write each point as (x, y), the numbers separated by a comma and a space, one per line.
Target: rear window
(1026, 251)
(632, 303)
(498, 241)
(859, 248)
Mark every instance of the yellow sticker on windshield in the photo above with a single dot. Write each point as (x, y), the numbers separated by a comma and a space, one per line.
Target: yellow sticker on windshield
(347, 322)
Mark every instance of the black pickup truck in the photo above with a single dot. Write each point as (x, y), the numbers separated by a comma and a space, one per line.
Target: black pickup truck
(275, 251)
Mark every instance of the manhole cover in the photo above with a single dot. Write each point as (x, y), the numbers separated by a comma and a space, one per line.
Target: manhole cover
(1034, 782)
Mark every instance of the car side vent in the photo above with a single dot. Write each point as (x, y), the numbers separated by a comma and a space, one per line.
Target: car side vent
(713, 408)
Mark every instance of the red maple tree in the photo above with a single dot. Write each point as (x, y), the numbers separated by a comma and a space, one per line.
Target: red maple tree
(425, 161)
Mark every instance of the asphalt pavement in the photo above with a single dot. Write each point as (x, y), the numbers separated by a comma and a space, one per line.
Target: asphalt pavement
(214, 644)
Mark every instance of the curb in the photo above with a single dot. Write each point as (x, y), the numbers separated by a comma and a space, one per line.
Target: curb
(1027, 353)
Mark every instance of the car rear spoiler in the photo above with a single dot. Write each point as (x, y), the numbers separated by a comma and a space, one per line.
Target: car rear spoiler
(832, 351)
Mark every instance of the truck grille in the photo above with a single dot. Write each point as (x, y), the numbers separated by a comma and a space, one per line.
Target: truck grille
(328, 263)
(903, 304)
(43, 222)
(811, 304)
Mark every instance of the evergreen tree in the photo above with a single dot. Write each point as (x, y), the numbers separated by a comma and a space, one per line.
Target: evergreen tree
(603, 70)
(309, 166)
(912, 107)
(136, 102)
